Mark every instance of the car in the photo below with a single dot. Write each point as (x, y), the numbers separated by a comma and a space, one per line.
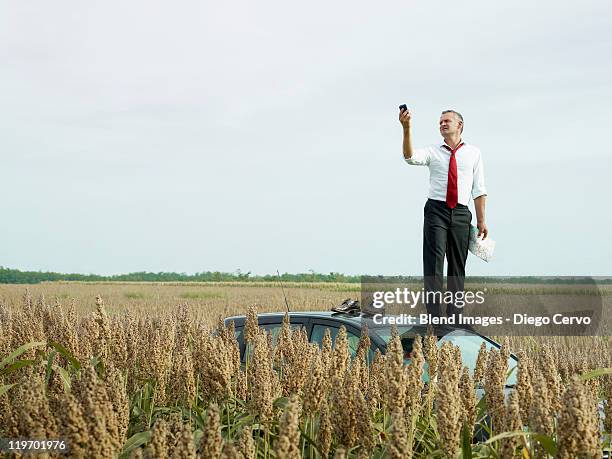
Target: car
(315, 323)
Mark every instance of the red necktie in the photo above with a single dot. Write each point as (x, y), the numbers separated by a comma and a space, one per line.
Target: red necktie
(452, 194)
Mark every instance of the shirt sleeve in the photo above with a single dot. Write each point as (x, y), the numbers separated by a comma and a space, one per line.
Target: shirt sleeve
(420, 157)
(478, 182)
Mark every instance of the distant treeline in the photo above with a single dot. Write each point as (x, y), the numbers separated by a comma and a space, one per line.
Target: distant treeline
(15, 276)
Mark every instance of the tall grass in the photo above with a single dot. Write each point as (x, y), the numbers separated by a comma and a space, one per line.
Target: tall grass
(171, 384)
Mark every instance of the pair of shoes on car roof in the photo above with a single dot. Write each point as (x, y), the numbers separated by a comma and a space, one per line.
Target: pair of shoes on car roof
(348, 305)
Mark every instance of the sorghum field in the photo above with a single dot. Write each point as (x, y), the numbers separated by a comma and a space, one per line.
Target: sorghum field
(148, 370)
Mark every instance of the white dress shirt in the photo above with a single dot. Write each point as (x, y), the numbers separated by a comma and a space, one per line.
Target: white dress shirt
(470, 170)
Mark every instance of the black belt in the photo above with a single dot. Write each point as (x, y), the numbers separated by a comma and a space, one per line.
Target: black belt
(437, 201)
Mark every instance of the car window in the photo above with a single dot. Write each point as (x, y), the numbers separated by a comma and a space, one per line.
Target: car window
(238, 333)
(318, 332)
(406, 335)
(470, 345)
(276, 329)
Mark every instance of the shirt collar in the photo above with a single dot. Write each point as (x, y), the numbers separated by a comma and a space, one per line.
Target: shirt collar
(443, 144)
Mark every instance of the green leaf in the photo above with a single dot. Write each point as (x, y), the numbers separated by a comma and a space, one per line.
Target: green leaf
(281, 402)
(547, 443)
(481, 410)
(98, 364)
(515, 433)
(596, 373)
(4, 389)
(243, 420)
(16, 366)
(466, 443)
(20, 350)
(198, 420)
(197, 436)
(66, 354)
(510, 372)
(64, 376)
(50, 358)
(309, 440)
(135, 441)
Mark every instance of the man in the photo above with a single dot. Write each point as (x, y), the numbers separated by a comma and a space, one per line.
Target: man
(455, 174)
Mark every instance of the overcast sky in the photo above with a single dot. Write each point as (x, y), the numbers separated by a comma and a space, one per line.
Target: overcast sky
(198, 135)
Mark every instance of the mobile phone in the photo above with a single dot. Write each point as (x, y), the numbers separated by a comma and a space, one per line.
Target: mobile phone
(403, 107)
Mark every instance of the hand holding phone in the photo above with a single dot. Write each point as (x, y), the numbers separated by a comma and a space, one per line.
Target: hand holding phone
(405, 116)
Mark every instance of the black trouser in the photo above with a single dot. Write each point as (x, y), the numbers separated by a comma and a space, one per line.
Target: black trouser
(446, 231)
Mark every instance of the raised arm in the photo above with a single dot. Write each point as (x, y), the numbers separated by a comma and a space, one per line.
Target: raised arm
(405, 118)
(414, 156)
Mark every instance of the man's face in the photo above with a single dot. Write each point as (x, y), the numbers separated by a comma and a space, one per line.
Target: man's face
(449, 124)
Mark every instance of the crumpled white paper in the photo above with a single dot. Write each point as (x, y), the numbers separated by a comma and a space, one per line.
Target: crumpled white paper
(483, 249)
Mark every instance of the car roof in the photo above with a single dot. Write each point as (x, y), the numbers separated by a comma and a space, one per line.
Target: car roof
(356, 319)
(350, 319)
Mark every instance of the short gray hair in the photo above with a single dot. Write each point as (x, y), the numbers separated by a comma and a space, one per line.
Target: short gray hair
(458, 115)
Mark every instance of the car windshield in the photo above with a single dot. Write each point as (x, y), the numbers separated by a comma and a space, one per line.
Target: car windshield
(468, 343)
(470, 346)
